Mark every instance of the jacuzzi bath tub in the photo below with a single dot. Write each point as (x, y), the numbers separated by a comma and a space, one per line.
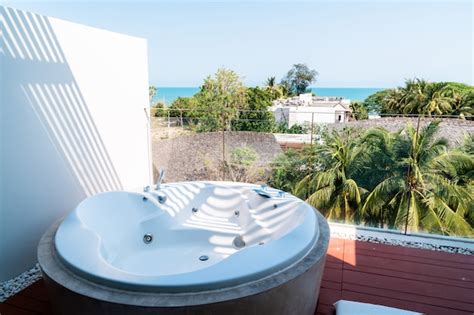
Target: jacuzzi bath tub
(188, 247)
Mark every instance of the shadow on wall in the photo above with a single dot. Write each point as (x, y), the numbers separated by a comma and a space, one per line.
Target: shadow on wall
(52, 153)
(28, 41)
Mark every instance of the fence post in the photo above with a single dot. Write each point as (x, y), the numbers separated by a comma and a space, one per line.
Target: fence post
(223, 146)
(312, 128)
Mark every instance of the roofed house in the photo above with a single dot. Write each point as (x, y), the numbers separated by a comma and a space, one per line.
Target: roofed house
(307, 108)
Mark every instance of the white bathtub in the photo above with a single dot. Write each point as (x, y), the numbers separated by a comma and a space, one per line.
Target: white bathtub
(103, 238)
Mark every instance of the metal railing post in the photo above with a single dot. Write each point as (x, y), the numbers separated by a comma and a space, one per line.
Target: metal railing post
(223, 146)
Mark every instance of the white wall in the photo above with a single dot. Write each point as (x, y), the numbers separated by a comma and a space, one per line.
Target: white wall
(305, 114)
(73, 123)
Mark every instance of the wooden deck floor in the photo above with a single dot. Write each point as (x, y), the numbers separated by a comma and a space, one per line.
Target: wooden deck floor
(414, 279)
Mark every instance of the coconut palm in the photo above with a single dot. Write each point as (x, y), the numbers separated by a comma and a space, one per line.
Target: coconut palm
(271, 82)
(382, 148)
(432, 98)
(329, 185)
(421, 188)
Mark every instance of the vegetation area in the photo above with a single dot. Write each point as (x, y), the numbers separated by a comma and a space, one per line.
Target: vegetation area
(408, 179)
(224, 103)
(405, 180)
(422, 97)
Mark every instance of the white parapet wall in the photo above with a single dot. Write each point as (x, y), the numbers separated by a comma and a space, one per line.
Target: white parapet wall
(74, 122)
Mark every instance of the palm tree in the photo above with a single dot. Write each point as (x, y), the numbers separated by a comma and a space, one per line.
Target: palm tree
(275, 91)
(422, 97)
(271, 82)
(329, 185)
(421, 188)
(152, 91)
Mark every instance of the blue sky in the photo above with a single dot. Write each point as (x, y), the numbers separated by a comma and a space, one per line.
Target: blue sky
(350, 43)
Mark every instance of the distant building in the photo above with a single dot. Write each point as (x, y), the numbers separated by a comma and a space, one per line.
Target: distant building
(306, 108)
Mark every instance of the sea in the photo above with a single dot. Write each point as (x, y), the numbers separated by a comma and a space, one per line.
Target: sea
(168, 94)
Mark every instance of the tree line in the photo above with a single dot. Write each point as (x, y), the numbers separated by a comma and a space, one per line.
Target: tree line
(409, 179)
(225, 103)
(419, 96)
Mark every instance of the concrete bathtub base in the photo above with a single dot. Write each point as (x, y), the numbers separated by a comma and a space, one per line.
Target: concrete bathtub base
(293, 290)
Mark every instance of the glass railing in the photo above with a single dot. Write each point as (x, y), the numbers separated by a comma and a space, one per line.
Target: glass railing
(402, 172)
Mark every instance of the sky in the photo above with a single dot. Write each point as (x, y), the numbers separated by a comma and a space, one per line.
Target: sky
(350, 43)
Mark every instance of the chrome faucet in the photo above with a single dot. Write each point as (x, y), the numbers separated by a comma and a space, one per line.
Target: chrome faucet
(161, 197)
(161, 176)
(262, 191)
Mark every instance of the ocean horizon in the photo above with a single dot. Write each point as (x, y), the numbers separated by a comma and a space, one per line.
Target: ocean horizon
(168, 94)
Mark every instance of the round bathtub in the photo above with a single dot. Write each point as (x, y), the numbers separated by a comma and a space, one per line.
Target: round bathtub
(185, 239)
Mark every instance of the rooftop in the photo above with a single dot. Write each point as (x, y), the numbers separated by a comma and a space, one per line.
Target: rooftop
(309, 100)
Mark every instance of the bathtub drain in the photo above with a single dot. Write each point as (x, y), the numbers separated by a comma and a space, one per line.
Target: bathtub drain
(203, 258)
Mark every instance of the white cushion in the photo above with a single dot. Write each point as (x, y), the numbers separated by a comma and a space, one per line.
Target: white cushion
(344, 307)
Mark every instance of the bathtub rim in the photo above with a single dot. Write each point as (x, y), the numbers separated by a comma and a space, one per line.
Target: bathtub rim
(51, 266)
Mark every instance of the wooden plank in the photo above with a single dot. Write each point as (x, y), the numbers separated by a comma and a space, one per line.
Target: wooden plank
(6, 309)
(333, 265)
(444, 272)
(350, 253)
(391, 302)
(37, 291)
(425, 254)
(408, 286)
(329, 296)
(335, 250)
(331, 285)
(29, 304)
(409, 297)
(408, 275)
(324, 309)
(334, 275)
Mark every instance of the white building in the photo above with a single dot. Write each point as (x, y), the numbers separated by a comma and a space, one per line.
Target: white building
(307, 108)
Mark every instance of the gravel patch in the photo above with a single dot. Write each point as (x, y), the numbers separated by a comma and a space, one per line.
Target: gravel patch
(15, 285)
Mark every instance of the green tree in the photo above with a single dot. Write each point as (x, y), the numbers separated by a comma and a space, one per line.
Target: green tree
(294, 129)
(422, 97)
(274, 90)
(330, 184)
(421, 187)
(256, 116)
(151, 92)
(159, 109)
(271, 82)
(359, 110)
(298, 79)
(185, 109)
(375, 102)
(219, 101)
(289, 168)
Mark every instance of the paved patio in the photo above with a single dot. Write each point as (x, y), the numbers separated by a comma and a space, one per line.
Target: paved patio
(421, 280)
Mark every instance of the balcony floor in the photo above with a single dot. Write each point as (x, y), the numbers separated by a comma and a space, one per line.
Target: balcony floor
(415, 279)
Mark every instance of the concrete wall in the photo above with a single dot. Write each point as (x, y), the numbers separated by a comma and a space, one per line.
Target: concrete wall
(74, 102)
(305, 114)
